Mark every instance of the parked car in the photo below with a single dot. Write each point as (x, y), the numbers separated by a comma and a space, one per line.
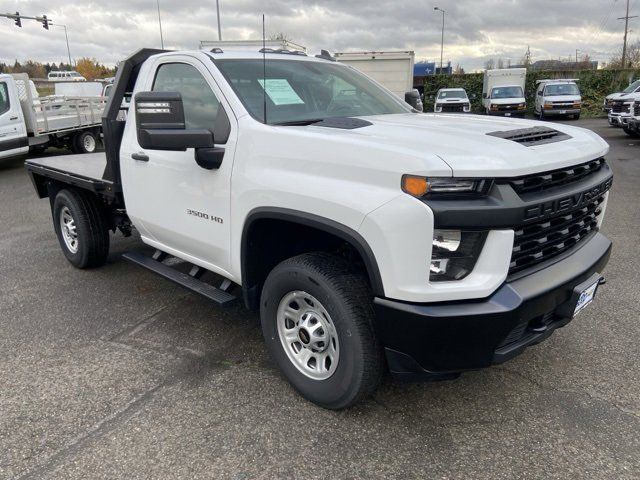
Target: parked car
(450, 100)
(503, 92)
(558, 98)
(367, 235)
(634, 87)
(65, 76)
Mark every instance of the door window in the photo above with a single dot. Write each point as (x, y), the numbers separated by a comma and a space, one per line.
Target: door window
(200, 103)
(4, 98)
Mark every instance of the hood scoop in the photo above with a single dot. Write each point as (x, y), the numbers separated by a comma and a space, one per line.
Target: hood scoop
(530, 137)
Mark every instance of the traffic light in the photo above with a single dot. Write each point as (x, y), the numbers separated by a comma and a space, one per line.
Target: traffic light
(45, 22)
(18, 21)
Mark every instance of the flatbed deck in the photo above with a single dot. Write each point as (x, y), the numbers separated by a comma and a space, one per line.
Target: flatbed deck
(84, 170)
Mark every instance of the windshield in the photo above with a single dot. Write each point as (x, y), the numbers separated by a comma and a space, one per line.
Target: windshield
(306, 92)
(632, 87)
(507, 92)
(452, 94)
(561, 89)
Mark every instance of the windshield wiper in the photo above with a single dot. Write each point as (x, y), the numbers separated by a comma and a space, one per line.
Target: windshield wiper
(298, 122)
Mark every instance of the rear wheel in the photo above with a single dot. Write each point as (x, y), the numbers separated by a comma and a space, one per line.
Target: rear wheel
(85, 142)
(317, 315)
(630, 132)
(81, 228)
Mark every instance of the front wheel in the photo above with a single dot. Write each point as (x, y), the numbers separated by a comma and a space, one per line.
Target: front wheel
(81, 228)
(317, 317)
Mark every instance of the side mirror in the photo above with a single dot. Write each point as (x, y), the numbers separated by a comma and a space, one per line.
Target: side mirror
(484, 95)
(160, 123)
(412, 97)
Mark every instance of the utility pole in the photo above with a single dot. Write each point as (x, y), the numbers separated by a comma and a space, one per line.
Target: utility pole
(219, 28)
(442, 40)
(626, 32)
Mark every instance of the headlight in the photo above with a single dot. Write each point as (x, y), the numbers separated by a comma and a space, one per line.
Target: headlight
(522, 106)
(454, 254)
(493, 107)
(421, 186)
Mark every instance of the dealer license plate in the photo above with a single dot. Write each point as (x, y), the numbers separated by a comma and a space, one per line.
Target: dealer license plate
(562, 112)
(508, 114)
(586, 297)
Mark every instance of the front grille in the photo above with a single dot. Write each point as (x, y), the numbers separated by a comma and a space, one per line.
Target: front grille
(636, 109)
(562, 106)
(619, 107)
(531, 136)
(538, 242)
(508, 108)
(543, 181)
(452, 107)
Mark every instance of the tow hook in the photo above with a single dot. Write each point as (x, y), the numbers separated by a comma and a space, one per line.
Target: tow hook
(602, 281)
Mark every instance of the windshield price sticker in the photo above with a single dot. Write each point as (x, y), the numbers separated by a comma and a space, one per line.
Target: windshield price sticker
(281, 92)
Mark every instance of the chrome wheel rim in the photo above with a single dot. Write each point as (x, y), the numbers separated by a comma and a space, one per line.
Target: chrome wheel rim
(68, 229)
(89, 143)
(308, 335)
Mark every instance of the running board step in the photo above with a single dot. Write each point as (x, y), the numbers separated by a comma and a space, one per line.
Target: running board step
(219, 296)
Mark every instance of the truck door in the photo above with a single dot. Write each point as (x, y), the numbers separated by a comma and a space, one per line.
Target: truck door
(13, 133)
(178, 206)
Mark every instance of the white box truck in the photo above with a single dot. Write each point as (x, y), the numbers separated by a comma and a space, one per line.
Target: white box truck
(393, 70)
(503, 92)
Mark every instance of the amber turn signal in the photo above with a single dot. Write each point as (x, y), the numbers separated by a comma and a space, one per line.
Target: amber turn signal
(413, 185)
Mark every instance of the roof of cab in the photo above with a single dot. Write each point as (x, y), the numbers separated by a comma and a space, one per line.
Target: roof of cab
(270, 54)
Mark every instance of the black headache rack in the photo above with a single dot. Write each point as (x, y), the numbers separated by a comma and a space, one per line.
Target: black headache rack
(95, 173)
(112, 127)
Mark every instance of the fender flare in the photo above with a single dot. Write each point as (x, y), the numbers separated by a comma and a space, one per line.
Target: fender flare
(321, 223)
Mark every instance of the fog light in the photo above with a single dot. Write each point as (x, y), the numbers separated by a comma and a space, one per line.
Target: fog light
(454, 254)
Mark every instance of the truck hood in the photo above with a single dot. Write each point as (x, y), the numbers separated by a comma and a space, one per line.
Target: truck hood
(463, 143)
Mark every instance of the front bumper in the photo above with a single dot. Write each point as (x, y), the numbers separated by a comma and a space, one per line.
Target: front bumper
(619, 120)
(507, 113)
(561, 112)
(440, 340)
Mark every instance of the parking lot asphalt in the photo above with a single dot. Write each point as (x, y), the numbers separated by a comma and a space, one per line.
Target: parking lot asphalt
(117, 373)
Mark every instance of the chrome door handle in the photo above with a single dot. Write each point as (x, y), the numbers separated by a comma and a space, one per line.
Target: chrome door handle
(141, 157)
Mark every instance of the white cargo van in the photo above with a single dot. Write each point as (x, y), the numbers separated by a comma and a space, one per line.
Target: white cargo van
(503, 92)
(559, 98)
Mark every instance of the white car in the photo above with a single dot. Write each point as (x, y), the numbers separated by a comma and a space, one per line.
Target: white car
(634, 87)
(368, 236)
(452, 100)
(65, 76)
(558, 98)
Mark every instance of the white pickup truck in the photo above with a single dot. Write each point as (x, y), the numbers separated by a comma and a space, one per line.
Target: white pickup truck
(368, 236)
(32, 123)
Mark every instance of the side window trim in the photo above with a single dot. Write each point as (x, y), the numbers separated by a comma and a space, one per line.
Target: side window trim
(221, 126)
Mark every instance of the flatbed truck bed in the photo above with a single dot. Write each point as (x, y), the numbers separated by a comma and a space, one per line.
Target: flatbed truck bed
(84, 170)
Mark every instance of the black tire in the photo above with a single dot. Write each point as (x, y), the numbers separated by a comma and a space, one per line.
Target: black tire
(347, 298)
(85, 142)
(631, 133)
(91, 228)
(541, 114)
(576, 116)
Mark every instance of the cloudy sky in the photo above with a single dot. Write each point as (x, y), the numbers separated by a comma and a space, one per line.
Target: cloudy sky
(475, 29)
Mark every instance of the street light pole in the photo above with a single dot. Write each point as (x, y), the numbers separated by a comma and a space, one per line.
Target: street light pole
(219, 29)
(67, 38)
(442, 40)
